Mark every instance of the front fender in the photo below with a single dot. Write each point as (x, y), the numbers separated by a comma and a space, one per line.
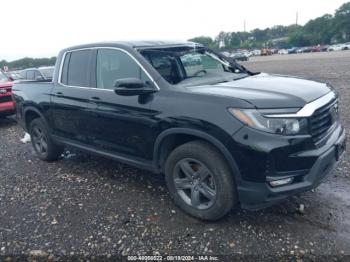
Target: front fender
(201, 135)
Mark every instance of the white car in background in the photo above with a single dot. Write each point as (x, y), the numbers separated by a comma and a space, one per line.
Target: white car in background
(225, 53)
(337, 47)
(248, 53)
(346, 46)
(256, 52)
(283, 52)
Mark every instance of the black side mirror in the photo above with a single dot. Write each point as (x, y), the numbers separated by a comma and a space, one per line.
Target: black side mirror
(132, 87)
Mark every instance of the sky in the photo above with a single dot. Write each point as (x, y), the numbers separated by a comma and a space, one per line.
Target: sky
(41, 28)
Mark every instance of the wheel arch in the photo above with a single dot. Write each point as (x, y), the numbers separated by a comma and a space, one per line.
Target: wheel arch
(163, 147)
(31, 113)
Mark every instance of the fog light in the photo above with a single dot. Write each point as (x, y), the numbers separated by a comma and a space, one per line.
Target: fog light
(281, 182)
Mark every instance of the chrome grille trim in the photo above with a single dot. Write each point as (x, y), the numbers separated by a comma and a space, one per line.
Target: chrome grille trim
(310, 108)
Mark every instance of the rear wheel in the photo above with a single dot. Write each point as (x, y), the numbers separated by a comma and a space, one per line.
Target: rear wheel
(42, 142)
(200, 181)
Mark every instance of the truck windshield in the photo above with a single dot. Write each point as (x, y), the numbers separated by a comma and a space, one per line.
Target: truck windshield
(184, 66)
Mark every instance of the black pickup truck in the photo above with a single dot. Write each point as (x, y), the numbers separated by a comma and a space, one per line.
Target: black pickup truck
(222, 135)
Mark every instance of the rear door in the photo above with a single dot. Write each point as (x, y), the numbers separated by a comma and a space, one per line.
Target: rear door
(70, 109)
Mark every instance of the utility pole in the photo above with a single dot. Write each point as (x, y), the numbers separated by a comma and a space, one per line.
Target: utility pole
(244, 25)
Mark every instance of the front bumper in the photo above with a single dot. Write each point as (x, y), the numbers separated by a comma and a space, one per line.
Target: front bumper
(256, 195)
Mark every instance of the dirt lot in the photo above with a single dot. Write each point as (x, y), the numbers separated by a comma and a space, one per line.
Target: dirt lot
(87, 206)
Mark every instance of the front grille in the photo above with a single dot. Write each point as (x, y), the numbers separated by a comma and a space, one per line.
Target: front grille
(4, 99)
(322, 119)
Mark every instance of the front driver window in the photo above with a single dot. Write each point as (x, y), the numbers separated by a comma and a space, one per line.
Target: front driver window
(113, 65)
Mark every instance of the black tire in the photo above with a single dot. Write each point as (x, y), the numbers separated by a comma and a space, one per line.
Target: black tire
(42, 143)
(207, 163)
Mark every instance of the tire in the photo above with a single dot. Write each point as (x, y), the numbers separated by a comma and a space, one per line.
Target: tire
(42, 143)
(200, 181)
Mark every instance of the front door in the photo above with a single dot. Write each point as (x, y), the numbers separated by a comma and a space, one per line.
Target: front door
(122, 124)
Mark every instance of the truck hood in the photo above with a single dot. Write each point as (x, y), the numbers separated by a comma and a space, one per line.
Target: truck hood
(268, 91)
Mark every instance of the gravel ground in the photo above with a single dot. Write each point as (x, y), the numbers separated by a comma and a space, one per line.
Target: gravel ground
(84, 205)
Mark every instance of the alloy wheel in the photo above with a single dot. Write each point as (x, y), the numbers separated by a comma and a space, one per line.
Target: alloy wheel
(195, 183)
(39, 140)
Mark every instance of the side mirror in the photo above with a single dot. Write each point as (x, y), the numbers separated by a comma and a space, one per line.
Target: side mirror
(132, 87)
(11, 78)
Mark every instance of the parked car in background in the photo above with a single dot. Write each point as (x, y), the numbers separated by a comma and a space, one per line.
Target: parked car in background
(265, 52)
(256, 52)
(306, 49)
(7, 105)
(248, 53)
(41, 73)
(292, 50)
(346, 46)
(222, 135)
(337, 47)
(226, 53)
(274, 51)
(283, 52)
(324, 48)
(316, 48)
(239, 56)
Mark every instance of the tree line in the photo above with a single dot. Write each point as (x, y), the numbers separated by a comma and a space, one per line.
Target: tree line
(28, 62)
(327, 29)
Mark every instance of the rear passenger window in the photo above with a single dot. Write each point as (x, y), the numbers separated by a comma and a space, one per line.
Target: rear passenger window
(113, 65)
(75, 71)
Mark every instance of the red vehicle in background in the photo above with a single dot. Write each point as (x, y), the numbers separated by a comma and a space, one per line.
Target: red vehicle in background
(7, 105)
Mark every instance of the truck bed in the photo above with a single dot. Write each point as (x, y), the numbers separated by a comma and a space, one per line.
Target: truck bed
(35, 94)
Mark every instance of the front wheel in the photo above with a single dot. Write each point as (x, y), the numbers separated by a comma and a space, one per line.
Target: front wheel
(200, 181)
(42, 142)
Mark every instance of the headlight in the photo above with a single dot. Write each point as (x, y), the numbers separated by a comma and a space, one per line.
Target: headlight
(281, 126)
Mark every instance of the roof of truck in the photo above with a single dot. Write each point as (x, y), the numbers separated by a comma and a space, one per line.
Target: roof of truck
(140, 44)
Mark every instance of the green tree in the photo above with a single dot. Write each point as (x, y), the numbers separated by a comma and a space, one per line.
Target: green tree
(341, 25)
(319, 30)
(28, 62)
(322, 30)
(204, 40)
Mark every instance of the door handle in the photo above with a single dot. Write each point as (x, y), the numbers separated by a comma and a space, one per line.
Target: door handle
(59, 94)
